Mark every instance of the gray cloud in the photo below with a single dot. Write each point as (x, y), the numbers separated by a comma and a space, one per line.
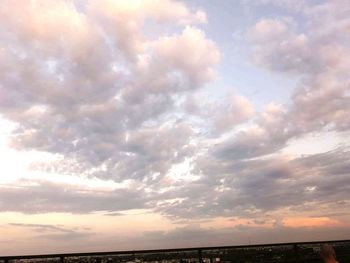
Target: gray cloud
(248, 188)
(253, 188)
(44, 197)
(55, 232)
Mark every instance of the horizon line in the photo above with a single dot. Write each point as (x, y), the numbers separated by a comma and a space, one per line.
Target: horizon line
(147, 251)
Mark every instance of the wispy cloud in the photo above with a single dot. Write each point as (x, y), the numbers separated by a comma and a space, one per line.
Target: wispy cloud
(56, 232)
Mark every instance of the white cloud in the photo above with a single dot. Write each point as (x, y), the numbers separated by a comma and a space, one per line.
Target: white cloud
(60, 80)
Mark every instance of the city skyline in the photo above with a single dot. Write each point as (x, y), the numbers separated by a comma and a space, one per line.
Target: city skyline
(158, 123)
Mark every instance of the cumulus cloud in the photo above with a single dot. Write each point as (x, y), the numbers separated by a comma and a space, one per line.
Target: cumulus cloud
(221, 115)
(188, 53)
(318, 55)
(80, 80)
(317, 59)
(281, 48)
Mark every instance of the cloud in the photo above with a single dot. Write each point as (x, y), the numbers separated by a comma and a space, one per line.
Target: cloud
(245, 188)
(55, 232)
(222, 115)
(280, 48)
(317, 55)
(280, 45)
(124, 21)
(79, 80)
(266, 135)
(112, 87)
(46, 197)
(258, 187)
(188, 53)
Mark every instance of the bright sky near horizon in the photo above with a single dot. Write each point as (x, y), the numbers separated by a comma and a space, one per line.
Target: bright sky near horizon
(157, 123)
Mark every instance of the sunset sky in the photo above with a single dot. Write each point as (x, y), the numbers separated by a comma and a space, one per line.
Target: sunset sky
(129, 124)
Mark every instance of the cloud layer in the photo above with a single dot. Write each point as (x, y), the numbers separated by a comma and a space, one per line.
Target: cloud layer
(114, 90)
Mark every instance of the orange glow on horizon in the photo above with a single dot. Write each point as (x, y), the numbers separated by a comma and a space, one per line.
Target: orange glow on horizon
(296, 222)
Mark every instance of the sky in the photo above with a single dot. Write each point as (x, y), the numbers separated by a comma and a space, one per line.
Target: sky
(159, 124)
